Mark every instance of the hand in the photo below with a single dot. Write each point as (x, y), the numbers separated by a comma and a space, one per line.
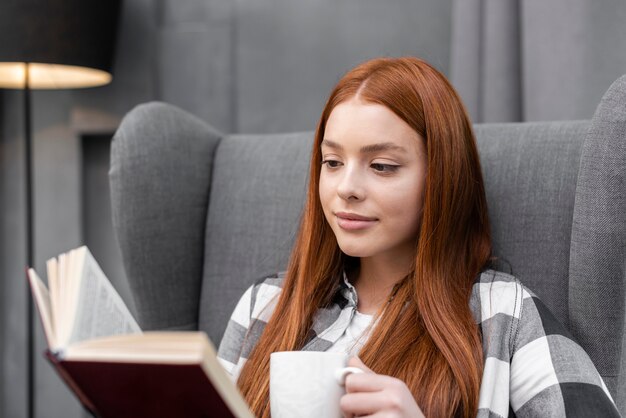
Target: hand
(375, 395)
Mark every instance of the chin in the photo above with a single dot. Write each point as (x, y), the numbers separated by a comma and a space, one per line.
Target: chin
(355, 251)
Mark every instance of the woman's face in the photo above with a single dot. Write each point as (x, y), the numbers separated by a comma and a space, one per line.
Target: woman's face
(372, 181)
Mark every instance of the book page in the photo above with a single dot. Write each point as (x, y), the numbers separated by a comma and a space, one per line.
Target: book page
(164, 347)
(42, 300)
(70, 264)
(53, 288)
(99, 309)
(62, 313)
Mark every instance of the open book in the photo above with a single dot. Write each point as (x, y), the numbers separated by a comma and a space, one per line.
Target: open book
(114, 368)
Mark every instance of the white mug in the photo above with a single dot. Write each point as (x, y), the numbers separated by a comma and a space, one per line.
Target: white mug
(307, 384)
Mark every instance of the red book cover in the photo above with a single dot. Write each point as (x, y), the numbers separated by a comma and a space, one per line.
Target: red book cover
(86, 402)
(136, 390)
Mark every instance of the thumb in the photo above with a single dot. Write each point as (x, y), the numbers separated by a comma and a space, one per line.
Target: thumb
(356, 362)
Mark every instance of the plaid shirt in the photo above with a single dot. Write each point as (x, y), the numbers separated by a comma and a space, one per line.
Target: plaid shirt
(532, 365)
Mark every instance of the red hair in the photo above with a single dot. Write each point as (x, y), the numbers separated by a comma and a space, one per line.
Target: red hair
(426, 336)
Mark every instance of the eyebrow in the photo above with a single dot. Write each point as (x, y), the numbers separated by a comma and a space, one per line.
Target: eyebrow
(367, 149)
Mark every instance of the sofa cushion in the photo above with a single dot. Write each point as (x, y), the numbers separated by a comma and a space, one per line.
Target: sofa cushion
(530, 172)
(257, 195)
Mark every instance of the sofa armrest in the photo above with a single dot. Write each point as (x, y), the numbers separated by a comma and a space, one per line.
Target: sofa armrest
(160, 176)
(597, 292)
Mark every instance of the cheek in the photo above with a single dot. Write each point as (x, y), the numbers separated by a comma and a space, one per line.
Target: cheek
(324, 193)
(407, 207)
(321, 190)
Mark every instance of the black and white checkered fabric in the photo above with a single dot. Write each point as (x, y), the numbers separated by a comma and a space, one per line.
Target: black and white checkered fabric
(532, 367)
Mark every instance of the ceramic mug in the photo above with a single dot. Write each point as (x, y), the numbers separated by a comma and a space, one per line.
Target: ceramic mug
(307, 384)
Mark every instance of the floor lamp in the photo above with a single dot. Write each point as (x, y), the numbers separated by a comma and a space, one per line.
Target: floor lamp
(52, 44)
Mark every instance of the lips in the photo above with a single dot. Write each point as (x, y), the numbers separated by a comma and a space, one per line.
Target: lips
(353, 221)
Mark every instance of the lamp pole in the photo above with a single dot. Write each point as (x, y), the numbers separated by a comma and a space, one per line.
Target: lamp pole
(53, 38)
(28, 175)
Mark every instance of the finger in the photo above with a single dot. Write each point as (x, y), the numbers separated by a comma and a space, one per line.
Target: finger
(361, 404)
(356, 362)
(367, 382)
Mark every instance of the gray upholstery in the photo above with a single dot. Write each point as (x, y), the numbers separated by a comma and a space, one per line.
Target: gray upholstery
(201, 215)
(597, 293)
(160, 190)
(530, 174)
(258, 190)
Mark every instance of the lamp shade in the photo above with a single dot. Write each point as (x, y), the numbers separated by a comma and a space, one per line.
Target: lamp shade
(67, 43)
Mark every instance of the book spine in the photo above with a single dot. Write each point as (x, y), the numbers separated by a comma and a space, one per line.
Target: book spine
(58, 366)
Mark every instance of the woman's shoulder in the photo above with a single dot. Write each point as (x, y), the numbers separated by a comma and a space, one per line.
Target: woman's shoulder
(508, 313)
(512, 318)
(274, 280)
(498, 279)
(263, 295)
(268, 285)
(497, 293)
(548, 371)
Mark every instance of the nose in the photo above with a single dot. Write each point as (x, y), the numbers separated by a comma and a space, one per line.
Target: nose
(350, 186)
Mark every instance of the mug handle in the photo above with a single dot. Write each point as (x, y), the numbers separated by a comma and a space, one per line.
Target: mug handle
(341, 374)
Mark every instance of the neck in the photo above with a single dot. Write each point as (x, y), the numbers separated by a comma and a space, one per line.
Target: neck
(375, 280)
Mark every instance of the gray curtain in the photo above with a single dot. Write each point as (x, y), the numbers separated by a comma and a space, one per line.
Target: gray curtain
(522, 60)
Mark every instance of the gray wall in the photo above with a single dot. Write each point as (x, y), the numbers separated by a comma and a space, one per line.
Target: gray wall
(244, 66)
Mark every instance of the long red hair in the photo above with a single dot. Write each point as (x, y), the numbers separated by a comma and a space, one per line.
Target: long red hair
(426, 336)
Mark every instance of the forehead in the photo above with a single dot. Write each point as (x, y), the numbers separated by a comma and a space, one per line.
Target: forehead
(358, 123)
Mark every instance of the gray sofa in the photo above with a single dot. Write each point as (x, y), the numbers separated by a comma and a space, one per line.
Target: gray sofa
(200, 215)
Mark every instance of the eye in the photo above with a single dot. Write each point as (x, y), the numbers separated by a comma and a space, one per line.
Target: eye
(384, 168)
(331, 163)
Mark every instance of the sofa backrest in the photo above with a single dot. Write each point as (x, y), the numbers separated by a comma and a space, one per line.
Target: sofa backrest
(258, 190)
(257, 195)
(530, 172)
(232, 204)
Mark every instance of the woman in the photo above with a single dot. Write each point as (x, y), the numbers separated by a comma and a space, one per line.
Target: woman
(390, 264)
